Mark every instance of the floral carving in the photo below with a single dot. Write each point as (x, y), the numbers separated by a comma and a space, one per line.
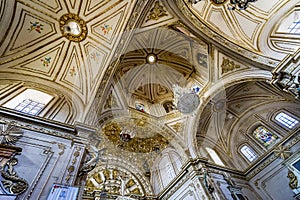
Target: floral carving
(11, 181)
(293, 180)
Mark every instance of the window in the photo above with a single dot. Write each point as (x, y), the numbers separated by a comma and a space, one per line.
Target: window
(29, 101)
(29, 106)
(248, 153)
(214, 156)
(264, 136)
(170, 171)
(295, 27)
(286, 120)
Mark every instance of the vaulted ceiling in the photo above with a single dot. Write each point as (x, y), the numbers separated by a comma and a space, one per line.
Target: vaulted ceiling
(95, 53)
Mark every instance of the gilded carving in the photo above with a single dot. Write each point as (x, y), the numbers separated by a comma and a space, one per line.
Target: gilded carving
(136, 191)
(228, 65)
(156, 12)
(98, 178)
(177, 127)
(130, 183)
(62, 147)
(10, 134)
(11, 181)
(155, 142)
(282, 152)
(116, 182)
(293, 180)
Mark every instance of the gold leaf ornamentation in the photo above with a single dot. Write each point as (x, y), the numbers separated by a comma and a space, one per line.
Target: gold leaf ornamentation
(10, 134)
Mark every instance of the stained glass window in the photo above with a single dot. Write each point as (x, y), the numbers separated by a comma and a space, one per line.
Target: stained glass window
(286, 120)
(264, 136)
(248, 153)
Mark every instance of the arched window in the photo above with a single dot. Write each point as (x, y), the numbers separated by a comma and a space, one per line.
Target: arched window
(214, 156)
(264, 136)
(29, 101)
(248, 153)
(286, 120)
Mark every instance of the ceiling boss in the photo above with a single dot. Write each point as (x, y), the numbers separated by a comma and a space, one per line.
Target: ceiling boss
(73, 27)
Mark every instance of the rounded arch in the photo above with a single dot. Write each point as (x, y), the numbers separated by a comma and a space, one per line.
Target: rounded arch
(62, 107)
(216, 89)
(165, 168)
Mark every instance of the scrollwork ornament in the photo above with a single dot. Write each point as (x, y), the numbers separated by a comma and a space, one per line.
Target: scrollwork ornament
(293, 180)
(11, 181)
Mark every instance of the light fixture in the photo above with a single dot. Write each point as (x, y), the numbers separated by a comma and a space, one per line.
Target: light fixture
(151, 58)
(72, 27)
(185, 100)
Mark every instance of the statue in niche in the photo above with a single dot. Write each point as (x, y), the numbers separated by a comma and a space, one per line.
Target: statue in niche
(293, 180)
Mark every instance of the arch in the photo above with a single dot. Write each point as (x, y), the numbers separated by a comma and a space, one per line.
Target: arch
(165, 169)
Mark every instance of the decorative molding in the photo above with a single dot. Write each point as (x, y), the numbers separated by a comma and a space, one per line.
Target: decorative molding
(286, 76)
(259, 167)
(36, 128)
(11, 181)
(282, 152)
(156, 12)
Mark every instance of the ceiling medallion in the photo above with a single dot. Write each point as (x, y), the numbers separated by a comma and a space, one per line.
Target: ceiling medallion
(73, 27)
